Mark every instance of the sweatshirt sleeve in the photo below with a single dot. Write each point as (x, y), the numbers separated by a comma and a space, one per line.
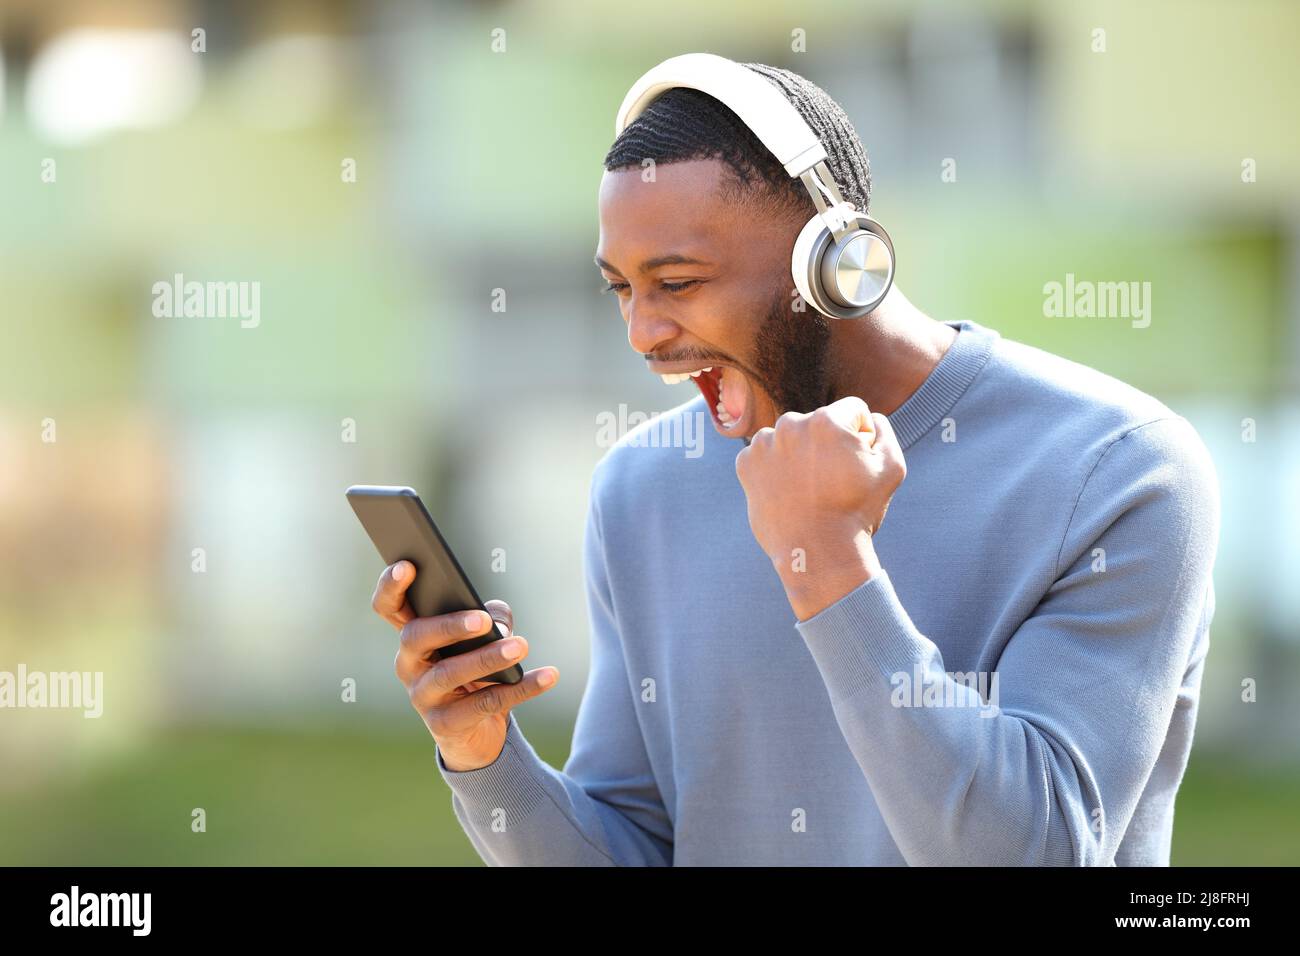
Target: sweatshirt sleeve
(604, 808)
(1050, 772)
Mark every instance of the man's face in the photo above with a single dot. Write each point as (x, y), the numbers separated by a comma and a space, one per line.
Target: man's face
(701, 283)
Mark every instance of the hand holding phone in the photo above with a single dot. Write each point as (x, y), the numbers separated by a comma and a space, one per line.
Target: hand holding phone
(460, 669)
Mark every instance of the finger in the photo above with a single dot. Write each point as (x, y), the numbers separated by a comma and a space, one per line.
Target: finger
(468, 668)
(389, 600)
(891, 453)
(502, 614)
(885, 437)
(498, 699)
(789, 418)
(852, 414)
(422, 636)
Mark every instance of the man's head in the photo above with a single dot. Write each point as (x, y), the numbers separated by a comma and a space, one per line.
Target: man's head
(697, 247)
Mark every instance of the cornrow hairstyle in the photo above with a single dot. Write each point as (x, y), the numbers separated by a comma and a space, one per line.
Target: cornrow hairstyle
(684, 124)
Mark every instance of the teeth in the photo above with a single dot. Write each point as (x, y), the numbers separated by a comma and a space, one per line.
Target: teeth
(675, 378)
(724, 416)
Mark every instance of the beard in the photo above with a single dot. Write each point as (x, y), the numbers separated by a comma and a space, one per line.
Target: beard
(790, 355)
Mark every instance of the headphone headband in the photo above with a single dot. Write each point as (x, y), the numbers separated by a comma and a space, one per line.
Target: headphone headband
(759, 104)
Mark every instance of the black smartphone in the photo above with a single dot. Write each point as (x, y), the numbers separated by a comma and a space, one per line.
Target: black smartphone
(401, 529)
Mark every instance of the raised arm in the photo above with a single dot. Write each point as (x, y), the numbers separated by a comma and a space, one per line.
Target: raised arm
(1086, 686)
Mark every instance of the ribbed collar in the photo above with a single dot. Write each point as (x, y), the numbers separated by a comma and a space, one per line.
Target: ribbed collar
(946, 383)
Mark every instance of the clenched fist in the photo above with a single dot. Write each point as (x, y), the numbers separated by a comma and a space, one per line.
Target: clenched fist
(818, 486)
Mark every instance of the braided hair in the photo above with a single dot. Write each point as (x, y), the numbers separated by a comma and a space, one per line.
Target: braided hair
(685, 124)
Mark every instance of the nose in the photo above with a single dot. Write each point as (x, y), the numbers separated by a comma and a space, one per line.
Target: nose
(647, 326)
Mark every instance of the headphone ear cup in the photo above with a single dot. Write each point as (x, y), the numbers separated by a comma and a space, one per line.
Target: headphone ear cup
(805, 261)
(846, 279)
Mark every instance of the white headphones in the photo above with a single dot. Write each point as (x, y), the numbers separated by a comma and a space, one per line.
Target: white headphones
(843, 260)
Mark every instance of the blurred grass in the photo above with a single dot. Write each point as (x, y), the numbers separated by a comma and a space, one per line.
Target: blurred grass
(373, 796)
(321, 797)
(1231, 813)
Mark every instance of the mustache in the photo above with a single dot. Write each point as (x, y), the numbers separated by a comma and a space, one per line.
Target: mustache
(692, 355)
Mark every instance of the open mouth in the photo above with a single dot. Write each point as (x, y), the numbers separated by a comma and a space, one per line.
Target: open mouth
(725, 391)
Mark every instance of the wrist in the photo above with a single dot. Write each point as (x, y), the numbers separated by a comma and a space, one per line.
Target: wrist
(466, 762)
(818, 576)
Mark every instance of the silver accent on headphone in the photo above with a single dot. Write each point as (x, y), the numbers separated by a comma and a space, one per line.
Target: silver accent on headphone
(856, 272)
(819, 181)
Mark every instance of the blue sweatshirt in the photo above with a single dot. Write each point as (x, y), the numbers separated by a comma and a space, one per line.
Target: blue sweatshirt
(1018, 688)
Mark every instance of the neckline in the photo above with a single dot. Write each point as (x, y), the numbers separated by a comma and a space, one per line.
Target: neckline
(946, 383)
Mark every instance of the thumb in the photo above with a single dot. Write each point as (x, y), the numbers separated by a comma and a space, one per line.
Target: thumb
(884, 437)
(852, 414)
(502, 615)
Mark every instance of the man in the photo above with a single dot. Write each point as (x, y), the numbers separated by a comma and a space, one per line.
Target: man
(1004, 672)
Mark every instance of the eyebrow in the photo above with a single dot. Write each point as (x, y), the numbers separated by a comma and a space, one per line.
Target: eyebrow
(671, 259)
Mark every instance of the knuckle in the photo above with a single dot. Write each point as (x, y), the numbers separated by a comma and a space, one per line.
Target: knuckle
(893, 470)
(745, 463)
(435, 721)
(526, 689)
(514, 694)
(427, 697)
(499, 657)
(788, 422)
(487, 702)
(443, 675)
(414, 694)
(476, 665)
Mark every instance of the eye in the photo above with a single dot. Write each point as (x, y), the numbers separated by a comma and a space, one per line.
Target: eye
(680, 286)
(674, 287)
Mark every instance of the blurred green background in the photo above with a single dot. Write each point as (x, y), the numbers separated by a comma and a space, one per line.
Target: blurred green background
(1162, 149)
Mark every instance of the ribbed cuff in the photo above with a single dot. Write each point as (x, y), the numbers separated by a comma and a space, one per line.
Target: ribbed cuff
(511, 784)
(864, 635)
